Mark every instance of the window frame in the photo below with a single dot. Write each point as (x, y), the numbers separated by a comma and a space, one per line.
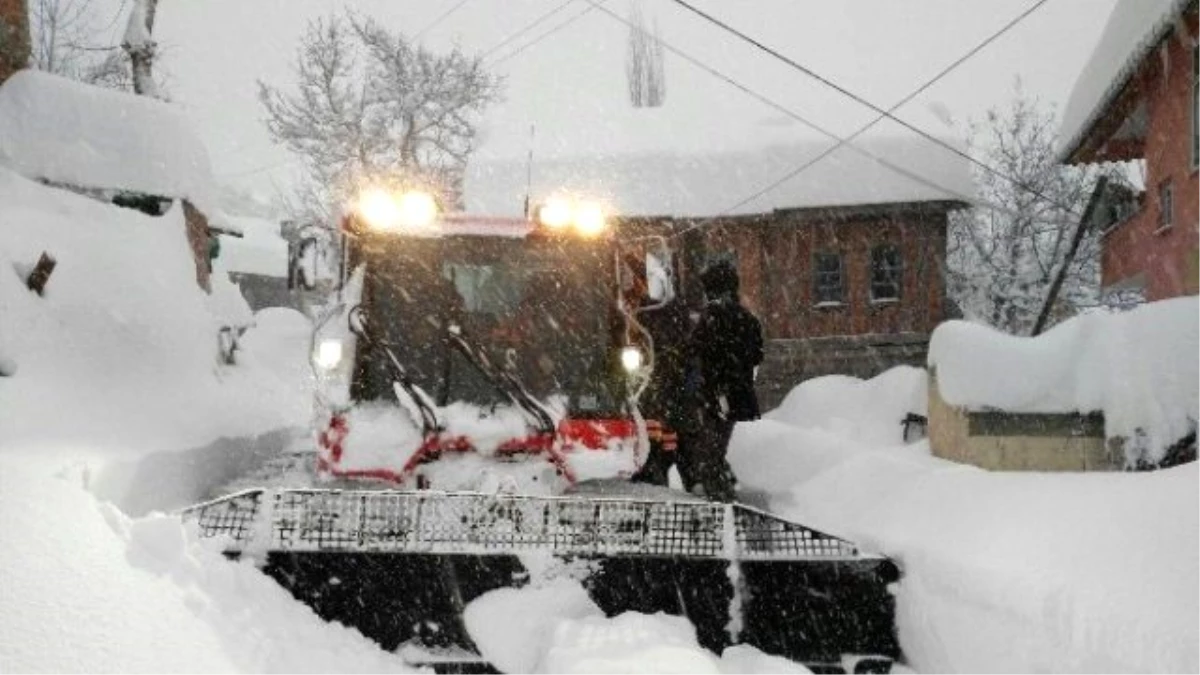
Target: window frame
(878, 266)
(1195, 107)
(821, 279)
(1166, 205)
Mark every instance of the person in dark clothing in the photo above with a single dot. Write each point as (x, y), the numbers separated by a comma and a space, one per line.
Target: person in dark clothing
(662, 404)
(725, 348)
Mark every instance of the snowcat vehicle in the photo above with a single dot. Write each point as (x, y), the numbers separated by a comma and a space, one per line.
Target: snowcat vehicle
(477, 415)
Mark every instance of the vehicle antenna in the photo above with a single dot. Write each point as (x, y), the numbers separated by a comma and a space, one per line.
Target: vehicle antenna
(529, 170)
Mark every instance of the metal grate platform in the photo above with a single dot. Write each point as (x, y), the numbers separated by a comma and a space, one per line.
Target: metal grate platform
(471, 523)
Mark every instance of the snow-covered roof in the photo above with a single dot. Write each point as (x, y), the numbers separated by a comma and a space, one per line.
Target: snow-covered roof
(260, 250)
(63, 131)
(716, 181)
(1134, 28)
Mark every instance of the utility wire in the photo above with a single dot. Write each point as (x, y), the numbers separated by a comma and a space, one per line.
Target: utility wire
(543, 36)
(792, 114)
(528, 27)
(855, 97)
(441, 17)
(917, 92)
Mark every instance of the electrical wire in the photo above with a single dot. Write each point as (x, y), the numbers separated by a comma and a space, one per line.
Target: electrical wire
(859, 99)
(543, 36)
(438, 20)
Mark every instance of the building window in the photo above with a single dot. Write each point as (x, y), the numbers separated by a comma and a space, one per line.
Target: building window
(886, 273)
(827, 278)
(1195, 107)
(1166, 198)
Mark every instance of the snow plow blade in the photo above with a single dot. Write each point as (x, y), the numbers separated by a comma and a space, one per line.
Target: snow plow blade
(400, 566)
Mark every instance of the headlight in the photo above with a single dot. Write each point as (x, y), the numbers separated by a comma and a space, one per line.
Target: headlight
(555, 213)
(383, 210)
(631, 359)
(590, 219)
(328, 355)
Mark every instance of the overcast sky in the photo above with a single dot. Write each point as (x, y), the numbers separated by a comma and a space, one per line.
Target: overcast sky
(215, 51)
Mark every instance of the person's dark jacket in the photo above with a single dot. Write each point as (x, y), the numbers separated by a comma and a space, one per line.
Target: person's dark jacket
(727, 345)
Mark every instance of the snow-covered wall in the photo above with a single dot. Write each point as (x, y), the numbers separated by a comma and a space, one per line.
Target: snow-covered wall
(1140, 368)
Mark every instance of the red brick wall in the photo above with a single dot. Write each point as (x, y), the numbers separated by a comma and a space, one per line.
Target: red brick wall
(775, 263)
(1167, 257)
(14, 37)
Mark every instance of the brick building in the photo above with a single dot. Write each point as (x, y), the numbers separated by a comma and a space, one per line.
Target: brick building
(14, 37)
(1137, 100)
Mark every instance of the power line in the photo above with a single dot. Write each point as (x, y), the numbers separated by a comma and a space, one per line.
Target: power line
(438, 20)
(543, 36)
(855, 97)
(528, 27)
(917, 92)
(790, 113)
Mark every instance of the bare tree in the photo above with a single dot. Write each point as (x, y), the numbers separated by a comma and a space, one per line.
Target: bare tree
(1002, 261)
(644, 63)
(141, 47)
(67, 40)
(370, 106)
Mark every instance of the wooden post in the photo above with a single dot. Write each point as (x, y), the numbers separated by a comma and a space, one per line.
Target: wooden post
(1080, 230)
(36, 281)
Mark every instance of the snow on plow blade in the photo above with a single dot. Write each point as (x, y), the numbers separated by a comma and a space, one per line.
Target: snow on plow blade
(400, 566)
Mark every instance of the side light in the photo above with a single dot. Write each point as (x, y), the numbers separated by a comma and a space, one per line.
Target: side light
(418, 209)
(328, 355)
(631, 359)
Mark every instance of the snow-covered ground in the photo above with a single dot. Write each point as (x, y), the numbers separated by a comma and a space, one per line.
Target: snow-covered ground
(1003, 572)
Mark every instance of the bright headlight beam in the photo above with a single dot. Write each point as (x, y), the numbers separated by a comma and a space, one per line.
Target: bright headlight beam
(379, 209)
(418, 209)
(590, 220)
(555, 213)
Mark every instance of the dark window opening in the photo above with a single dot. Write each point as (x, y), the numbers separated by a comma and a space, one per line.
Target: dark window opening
(827, 278)
(886, 273)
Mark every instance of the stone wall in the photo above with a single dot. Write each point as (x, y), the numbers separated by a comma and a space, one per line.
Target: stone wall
(1001, 441)
(790, 362)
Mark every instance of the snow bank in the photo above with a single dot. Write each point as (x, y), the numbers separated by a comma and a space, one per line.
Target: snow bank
(121, 352)
(556, 628)
(67, 132)
(1133, 29)
(1140, 368)
(88, 590)
(1002, 572)
(868, 411)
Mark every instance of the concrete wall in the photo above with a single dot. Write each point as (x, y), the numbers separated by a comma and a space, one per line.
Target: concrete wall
(1000, 441)
(789, 362)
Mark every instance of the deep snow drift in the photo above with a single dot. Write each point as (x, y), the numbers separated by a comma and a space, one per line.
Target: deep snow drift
(1141, 368)
(1003, 572)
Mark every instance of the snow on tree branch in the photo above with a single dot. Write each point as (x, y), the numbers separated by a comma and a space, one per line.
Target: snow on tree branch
(370, 105)
(1002, 261)
(141, 47)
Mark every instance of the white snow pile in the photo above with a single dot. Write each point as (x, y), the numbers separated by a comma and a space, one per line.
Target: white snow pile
(383, 437)
(1002, 572)
(66, 132)
(87, 589)
(1140, 368)
(870, 411)
(554, 627)
(122, 349)
(1133, 29)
